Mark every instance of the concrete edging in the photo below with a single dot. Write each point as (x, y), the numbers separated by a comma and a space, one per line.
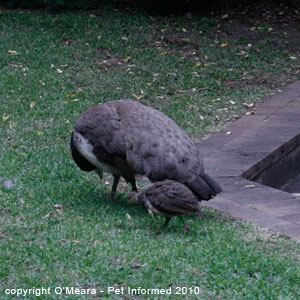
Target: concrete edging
(255, 141)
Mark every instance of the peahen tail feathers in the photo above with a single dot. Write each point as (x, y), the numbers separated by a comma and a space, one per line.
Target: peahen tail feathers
(81, 162)
(204, 187)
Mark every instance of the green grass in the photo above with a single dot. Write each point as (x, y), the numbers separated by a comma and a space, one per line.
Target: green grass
(52, 68)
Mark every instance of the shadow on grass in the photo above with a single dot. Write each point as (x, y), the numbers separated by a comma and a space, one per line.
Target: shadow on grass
(94, 202)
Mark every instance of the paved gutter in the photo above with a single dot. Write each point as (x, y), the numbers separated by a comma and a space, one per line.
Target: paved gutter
(257, 141)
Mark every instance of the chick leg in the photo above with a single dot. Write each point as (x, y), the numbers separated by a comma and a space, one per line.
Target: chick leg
(186, 227)
(200, 214)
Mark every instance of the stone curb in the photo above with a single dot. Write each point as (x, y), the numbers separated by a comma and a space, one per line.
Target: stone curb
(256, 142)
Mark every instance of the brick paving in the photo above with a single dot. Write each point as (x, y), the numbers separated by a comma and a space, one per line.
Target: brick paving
(256, 142)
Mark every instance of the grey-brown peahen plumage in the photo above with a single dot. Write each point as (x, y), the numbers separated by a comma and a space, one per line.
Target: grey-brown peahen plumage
(126, 138)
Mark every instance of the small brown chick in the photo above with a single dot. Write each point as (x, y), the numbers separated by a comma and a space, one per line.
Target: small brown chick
(170, 198)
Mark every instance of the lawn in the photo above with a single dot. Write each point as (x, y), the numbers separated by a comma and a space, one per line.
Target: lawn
(58, 227)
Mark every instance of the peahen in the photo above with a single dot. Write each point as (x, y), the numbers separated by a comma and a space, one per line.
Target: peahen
(126, 138)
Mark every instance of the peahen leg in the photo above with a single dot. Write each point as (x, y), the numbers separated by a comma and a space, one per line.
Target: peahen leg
(131, 179)
(133, 185)
(115, 185)
(167, 221)
(100, 173)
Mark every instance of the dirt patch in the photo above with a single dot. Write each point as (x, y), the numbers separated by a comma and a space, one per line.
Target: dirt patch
(268, 20)
(107, 60)
(233, 84)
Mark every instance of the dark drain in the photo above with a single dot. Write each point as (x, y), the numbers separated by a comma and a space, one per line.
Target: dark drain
(280, 169)
(292, 186)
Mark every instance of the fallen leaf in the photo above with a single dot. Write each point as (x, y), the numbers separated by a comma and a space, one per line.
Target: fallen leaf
(250, 186)
(58, 208)
(137, 265)
(242, 53)
(47, 216)
(5, 118)
(12, 125)
(163, 53)
(32, 104)
(224, 44)
(96, 243)
(124, 38)
(13, 52)
(248, 105)
(136, 96)
(71, 95)
(250, 113)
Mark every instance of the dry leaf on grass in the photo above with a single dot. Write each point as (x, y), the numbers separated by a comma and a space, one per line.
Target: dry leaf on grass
(13, 52)
(47, 216)
(58, 208)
